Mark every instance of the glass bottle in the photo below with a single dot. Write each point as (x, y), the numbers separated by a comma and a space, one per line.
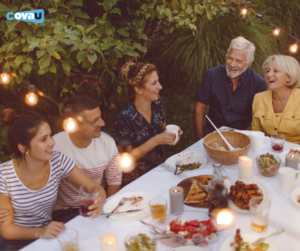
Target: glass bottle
(217, 192)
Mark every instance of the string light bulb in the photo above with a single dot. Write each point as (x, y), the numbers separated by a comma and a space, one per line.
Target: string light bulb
(70, 125)
(31, 98)
(294, 47)
(276, 31)
(244, 11)
(5, 78)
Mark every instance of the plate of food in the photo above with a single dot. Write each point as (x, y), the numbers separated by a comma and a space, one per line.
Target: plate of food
(135, 200)
(242, 191)
(195, 191)
(188, 228)
(295, 150)
(295, 196)
(189, 161)
(243, 242)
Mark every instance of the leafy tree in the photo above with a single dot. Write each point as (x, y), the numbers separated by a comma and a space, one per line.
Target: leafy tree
(82, 45)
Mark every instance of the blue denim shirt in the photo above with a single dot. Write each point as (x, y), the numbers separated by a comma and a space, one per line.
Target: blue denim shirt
(227, 107)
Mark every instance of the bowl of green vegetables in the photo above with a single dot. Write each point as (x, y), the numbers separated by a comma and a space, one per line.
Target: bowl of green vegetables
(141, 240)
(268, 164)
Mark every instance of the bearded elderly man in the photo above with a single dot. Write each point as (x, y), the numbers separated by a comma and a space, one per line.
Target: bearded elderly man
(229, 90)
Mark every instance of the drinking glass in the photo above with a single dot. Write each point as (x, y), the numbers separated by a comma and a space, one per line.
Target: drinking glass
(87, 195)
(158, 207)
(259, 211)
(277, 142)
(68, 240)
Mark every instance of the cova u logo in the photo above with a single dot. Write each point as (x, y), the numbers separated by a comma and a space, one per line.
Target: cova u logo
(36, 16)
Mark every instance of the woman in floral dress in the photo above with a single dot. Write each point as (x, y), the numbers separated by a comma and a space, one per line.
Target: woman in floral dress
(140, 125)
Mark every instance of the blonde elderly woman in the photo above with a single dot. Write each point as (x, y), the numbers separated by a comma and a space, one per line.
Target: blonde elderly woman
(141, 124)
(278, 109)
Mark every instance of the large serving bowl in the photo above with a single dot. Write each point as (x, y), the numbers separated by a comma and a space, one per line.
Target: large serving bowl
(236, 139)
(142, 238)
(266, 169)
(177, 239)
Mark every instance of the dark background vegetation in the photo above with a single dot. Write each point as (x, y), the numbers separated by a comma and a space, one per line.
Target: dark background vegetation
(182, 59)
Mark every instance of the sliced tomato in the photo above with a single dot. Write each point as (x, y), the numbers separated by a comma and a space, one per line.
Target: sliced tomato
(212, 226)
(173, 226)
(180, 228)
(206, 232)
(190, 229)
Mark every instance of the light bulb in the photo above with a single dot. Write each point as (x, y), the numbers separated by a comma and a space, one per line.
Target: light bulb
(31, 98)
(70, 125)
(244, 11)
(5, 78)
(224, 217)
(276, 32)
(294, 48)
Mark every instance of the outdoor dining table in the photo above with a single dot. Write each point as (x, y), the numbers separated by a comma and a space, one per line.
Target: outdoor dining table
(283, 214)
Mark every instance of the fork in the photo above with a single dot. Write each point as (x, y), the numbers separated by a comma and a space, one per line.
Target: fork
(121, 203)
(261, 240)
(177, 164)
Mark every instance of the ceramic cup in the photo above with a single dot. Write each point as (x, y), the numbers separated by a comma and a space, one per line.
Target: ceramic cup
(288, 177)
(259, 141)
(173, 129)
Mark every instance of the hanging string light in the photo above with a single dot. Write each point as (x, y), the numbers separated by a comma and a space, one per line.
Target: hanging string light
(70, 124)
(244, 11)
(31, 98)
(294, 47)
(5, 78)
(276, 31)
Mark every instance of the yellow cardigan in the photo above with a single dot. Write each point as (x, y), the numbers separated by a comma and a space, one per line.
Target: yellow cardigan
(288, 122)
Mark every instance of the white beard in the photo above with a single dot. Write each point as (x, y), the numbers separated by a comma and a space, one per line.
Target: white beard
(238, 73)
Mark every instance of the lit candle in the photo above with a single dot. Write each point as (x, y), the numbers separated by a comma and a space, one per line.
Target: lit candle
(109, 242)
(224, 217)
(176, 199)
(292, 160)
(245, 167)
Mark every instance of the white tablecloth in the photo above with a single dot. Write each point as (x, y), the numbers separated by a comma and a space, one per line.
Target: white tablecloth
(284, 213)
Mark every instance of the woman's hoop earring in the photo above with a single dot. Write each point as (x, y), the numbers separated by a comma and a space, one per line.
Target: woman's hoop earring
(26, 152)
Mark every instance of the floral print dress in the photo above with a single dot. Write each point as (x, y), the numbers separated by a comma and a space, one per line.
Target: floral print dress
(132, 129)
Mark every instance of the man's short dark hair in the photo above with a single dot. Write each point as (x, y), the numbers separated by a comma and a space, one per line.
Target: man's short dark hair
(77, 105)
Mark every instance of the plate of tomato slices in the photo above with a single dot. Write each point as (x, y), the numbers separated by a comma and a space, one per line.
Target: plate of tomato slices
(189, 228)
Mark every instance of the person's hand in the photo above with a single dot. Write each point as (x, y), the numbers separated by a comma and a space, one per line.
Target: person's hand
(165, 138)
(96, 208)
(3, 215)
(51, 230)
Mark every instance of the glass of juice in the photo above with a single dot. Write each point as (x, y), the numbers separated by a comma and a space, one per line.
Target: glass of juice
(68, 240)
(87, 194)
(277, 142)
(158, 207)
(259, 211)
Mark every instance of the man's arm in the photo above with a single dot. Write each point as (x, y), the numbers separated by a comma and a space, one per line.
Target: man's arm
(198, 120)
(249, 128)
(112, 189)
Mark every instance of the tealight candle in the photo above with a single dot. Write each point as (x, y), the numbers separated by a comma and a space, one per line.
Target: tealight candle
(176, 199)
(245, 167)
(109, 242)
(292, 160)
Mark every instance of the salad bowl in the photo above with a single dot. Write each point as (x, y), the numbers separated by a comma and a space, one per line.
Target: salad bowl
(188, 228)
(268, 164)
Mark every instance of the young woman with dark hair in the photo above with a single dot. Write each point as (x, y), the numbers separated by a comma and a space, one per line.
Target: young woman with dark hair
(141, 124)
(29, 182)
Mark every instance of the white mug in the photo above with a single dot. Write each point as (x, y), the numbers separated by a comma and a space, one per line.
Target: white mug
(259, 141)
(288, 177)
(173, 129)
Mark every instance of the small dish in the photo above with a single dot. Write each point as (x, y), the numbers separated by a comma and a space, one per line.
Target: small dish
(247, 238)
(195, 229)
(294, 196)
(268, 170)
(143, 238)
(186, 158)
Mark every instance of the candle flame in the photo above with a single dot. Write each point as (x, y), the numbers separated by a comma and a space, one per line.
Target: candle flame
(224, 217)
(126, 160)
